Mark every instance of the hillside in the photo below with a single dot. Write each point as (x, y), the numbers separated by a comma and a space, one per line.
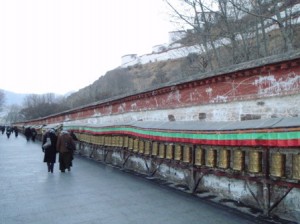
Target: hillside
(141, 77)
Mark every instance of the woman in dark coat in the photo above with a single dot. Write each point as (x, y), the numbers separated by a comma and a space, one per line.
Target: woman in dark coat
(65, 146)
(50, 151)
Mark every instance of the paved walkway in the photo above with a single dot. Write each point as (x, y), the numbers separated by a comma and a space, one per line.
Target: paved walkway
(92, 193)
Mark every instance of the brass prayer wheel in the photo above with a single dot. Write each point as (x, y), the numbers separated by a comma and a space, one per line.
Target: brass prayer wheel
(136, 145)
(101, 140)
(255, 161)
(147, 148)
(169, 151)
(121, 141)
(95, 140)
(79, 136)
(238, 160)
(154, 149)
(296, 167)
(224, 158)
(211, 158)
(187, 154)
(85, 137)
(117, 141)
(199, 156)
(178, 152)
(277, 164)
(109, 140)
(130, 143)
(92, 139)
(141, 146)
(126, 142)
(113, 141)
(162, 149)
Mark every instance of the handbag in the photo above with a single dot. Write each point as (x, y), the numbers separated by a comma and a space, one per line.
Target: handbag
(47, 144)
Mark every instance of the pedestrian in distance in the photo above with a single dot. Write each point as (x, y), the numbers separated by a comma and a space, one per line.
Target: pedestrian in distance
(33, 134)
(28, 133)
(66, 147)
(2, 129)
(49, 148)
(8, 131)
(16, 131)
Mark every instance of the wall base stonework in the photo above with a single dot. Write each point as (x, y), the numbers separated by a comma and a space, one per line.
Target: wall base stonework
(240, 194)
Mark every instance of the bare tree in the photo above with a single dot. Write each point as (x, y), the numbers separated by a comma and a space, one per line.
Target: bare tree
(274, 11)
(14, 114)
(198, 16)
(36, 106)
(241, 28)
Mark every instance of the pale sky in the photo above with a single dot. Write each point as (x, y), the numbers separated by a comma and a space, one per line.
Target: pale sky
(64, 45)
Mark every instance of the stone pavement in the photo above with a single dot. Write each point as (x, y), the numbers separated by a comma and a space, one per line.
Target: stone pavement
(92, 193)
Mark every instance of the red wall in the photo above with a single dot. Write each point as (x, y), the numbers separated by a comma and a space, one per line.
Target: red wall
(271, 80)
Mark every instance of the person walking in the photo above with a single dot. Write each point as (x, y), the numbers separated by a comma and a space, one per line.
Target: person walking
(28, 133)
(8, 131)
(49, 148)
(16, 131)
(65, 146)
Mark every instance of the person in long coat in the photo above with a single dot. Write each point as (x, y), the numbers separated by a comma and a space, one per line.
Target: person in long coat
(28, 133)
(65, 154)
(50, 152)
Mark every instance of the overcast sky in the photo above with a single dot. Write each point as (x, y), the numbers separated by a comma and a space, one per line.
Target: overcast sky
(64, 45)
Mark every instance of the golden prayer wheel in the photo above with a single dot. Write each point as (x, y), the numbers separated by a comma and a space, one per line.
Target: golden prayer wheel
(101, 141)
(141, 146)
(238, 160)
(211, 158)
(95, 139)
(224, 158)
(79, 136)
(162, 149)
(296, 166)
(130, 143)
(121, 141)
(89, 139)
(84, 136)
(147, 148)
(277, 164)
(186, 154)
(113, 141)
(154, 149)
(117, 141)
(136, 145)
(255, 161)
(199, 156)
(178, 152)
(126, 142)
(108, 140)
(169, 151)
(92, 139)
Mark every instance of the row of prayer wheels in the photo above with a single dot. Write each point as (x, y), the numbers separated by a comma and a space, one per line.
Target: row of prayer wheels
(233, 158)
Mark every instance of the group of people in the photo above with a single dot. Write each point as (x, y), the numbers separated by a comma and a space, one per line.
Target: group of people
(30, 133)
(9, 130)
(64, 144)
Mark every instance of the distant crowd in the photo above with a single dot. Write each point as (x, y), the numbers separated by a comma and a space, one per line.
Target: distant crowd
(8, 130)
